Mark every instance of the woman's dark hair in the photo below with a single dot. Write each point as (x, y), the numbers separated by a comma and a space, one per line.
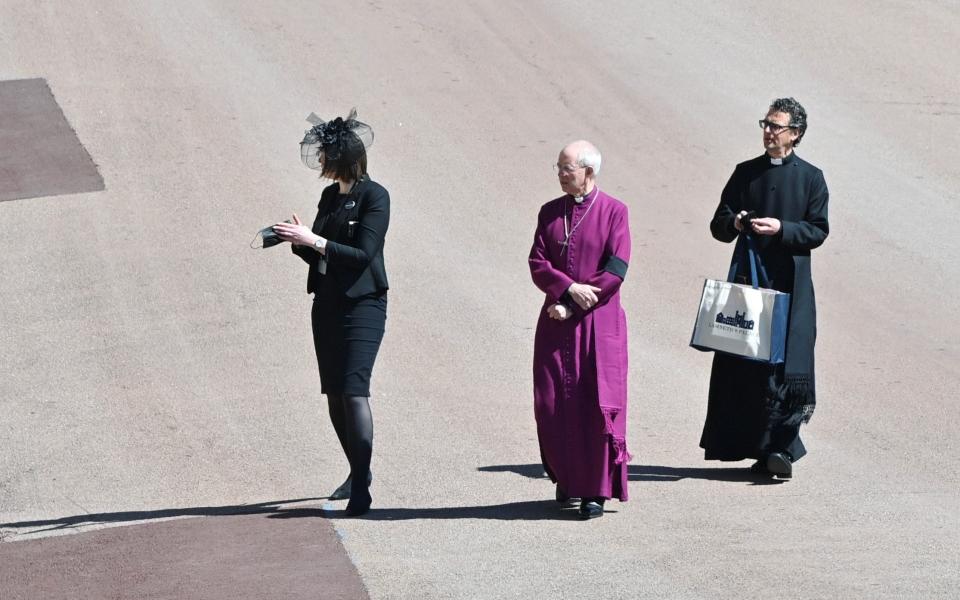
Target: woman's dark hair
(352, 169)
(337, 148)
(798, 116)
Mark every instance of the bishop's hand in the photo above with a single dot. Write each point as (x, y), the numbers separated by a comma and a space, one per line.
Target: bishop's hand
(559, 312)
(584, 295)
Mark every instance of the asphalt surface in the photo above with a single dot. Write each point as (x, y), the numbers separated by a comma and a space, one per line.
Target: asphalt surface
(154, 364)
(39, 152)
(288, 554)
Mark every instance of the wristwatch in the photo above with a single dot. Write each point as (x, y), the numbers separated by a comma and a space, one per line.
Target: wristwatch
(320, 244)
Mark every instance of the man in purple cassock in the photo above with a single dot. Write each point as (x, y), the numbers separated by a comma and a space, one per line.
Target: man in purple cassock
(579, 259)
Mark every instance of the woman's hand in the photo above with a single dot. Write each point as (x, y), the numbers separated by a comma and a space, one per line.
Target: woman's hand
(559, 312)
(296, 232)
(766, 226)
(584, 295)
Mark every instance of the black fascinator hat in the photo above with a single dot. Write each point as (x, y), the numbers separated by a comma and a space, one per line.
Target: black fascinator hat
(329, 145)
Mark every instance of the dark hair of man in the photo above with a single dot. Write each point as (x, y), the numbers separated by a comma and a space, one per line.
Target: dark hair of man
(346, 170)
(798, 116)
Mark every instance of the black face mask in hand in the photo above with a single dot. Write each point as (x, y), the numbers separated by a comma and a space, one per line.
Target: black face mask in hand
(269, 237)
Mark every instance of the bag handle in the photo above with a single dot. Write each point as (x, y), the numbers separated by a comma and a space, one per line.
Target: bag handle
(745, 242)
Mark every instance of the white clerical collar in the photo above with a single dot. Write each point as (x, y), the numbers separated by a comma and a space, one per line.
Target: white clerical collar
(781, 160)
(580, 199)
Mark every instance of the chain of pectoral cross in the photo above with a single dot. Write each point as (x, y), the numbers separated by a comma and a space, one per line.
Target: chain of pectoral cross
(567, 231)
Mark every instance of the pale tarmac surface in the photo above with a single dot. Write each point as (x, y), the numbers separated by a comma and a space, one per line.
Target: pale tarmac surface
(153, 362)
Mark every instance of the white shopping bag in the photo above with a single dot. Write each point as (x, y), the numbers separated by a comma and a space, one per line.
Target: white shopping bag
(746, 321)
(743, 320)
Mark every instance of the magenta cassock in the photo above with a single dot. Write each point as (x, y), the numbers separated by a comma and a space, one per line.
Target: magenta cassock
(580, 364)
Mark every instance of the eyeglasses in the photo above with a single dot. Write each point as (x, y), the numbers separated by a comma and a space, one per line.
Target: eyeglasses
(774, 127)
(567, 169)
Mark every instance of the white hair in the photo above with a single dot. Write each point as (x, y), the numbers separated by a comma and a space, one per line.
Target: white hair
(589, 156)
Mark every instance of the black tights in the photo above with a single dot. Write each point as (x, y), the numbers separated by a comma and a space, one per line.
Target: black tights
(353, 422)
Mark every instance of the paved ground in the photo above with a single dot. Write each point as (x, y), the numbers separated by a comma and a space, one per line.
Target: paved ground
(39, 153)
(272, 553)
(153, 363)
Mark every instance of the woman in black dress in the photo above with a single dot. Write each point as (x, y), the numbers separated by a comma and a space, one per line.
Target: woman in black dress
(344, 250)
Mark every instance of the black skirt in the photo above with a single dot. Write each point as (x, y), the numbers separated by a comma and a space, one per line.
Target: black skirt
(346, 336)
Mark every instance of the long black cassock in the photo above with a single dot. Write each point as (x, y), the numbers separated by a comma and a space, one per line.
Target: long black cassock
(754, 408)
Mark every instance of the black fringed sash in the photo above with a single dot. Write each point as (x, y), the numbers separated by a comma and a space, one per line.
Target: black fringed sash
(794, 400)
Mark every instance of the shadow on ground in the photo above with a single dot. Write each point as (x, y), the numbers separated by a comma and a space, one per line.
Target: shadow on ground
(654, 473)
(540, 510)
(148, 515)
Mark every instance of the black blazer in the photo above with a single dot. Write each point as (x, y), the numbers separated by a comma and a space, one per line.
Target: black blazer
(355, 239)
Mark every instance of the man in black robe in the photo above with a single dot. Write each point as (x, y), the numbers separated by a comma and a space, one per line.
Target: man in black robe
(755, 409)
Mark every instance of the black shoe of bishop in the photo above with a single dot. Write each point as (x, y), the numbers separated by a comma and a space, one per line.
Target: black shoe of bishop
(779, 464)
(760, 468)
(591, 508)
(343, 492)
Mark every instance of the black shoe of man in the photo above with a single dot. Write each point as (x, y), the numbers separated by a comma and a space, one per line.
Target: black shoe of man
(779, 464)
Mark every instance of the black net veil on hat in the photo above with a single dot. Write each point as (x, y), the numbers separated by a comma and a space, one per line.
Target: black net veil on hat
(339, 140)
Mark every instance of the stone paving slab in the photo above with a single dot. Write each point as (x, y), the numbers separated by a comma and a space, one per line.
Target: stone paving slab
(237, 557)
(40, 154)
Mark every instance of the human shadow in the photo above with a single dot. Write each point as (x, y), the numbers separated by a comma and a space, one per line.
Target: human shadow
(533, 471)
(655, 473)
(541, 510)
(537, 510)
(731, 474)
(146, 515)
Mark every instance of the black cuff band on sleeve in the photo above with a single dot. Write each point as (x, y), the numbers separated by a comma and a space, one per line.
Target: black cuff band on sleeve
(616, 266)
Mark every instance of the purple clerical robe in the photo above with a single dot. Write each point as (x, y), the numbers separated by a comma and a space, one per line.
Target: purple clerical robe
(580, 364)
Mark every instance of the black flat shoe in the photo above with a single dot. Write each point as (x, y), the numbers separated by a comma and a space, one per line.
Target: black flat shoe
(591, 509)
(779, 464)
(343, 492)
(359, 506)
(760, 468)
